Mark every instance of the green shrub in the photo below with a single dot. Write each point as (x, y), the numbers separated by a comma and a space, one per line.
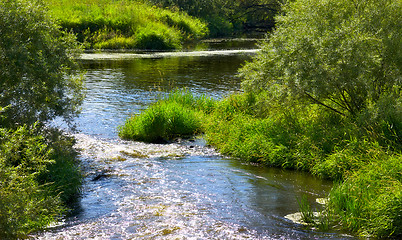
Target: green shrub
(29, 199)
(64, 174)
(341, 55)
(382, 121)
(347, 158)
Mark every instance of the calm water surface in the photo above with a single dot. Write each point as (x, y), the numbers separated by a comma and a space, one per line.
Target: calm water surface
(182, 190)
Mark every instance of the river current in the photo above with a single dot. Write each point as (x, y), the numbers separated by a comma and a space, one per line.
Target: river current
(181, 190)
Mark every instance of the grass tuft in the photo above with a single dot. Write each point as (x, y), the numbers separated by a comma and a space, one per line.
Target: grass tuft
(165, 120)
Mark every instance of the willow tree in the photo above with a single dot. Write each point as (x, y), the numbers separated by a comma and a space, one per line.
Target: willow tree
(37, 76)
(342, 55)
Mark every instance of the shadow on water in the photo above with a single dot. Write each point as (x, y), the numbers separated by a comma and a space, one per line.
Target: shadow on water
(181, 190)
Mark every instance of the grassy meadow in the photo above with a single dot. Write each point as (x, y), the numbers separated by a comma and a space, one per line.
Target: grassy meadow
(126, 24)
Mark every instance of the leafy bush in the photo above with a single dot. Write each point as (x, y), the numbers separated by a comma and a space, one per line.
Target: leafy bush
(342, 55)
(39, 174)
(382, 121)
(29, 199)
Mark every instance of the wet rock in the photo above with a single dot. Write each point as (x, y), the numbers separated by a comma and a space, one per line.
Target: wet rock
(103, 173)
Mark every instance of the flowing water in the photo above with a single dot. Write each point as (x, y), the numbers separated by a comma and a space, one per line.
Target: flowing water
(182, 190)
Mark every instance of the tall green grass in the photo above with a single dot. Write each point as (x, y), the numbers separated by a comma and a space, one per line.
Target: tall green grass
(363, 155)
(179, 115)
(369, 201)
(126, 24)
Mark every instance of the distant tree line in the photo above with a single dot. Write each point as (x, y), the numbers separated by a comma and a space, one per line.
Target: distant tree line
(230, 16)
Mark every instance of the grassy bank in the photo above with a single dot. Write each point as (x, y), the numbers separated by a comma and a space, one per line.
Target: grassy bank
(362, 155)
(126, 24)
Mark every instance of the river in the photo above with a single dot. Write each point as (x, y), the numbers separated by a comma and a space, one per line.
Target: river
(182, 190)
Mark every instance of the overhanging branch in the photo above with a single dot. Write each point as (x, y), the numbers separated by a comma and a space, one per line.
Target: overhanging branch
(322, 104)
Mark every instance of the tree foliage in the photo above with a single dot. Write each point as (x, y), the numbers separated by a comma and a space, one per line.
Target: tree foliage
(226, 16)
(344, 55)
(37, 80)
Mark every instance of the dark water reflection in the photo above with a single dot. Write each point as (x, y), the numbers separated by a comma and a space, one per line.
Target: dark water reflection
(118, 88)
(180, 190)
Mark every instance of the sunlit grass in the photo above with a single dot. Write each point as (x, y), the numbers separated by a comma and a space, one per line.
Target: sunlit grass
(368, 197)
(165, 120)
(125, 24)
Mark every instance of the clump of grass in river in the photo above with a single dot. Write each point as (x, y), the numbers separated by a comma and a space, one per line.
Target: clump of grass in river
(165, 120)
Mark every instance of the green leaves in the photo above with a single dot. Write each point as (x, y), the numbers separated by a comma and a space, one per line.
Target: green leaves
(25, 204)
(36, 68)
(339, 54)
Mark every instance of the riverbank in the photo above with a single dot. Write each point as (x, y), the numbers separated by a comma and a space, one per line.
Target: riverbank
(366, 166)
(39, 169)
(122, 24)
